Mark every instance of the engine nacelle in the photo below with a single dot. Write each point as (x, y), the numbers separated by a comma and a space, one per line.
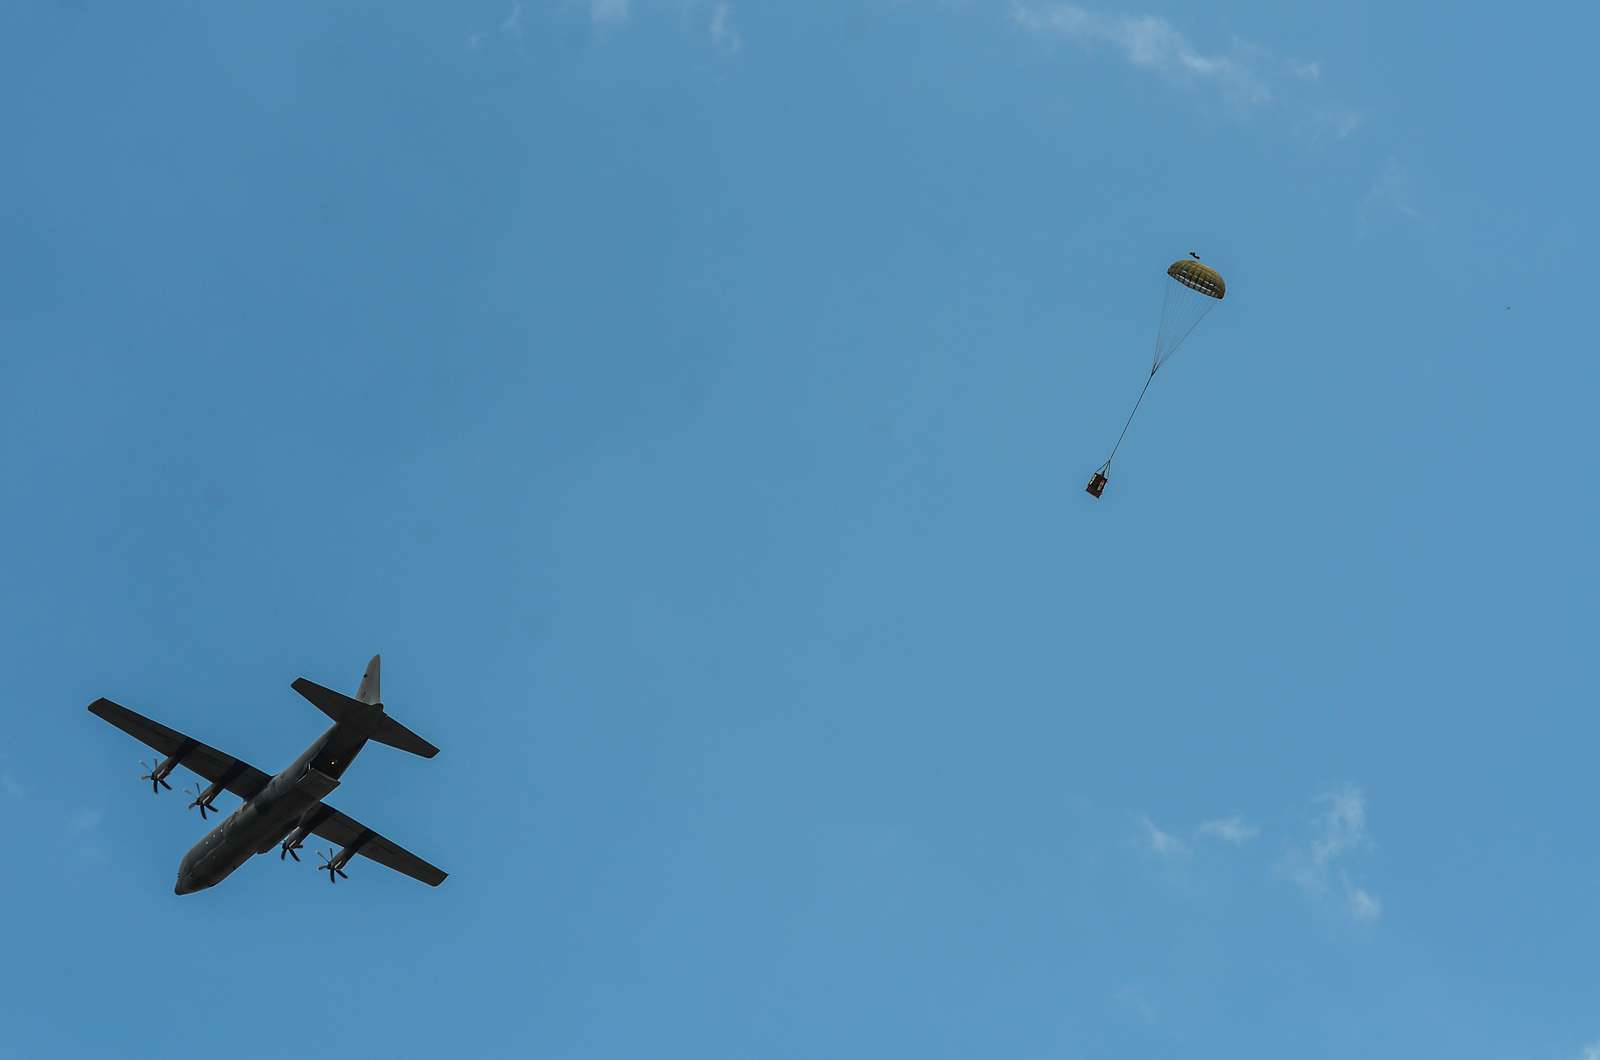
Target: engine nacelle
(158, 773)
(294, 841)
(334, 866)
(204, 801)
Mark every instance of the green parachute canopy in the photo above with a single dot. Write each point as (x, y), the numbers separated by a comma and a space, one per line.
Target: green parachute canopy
(1195, 289)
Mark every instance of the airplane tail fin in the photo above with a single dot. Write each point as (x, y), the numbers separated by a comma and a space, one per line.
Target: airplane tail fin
(365, 712)
(369, 683)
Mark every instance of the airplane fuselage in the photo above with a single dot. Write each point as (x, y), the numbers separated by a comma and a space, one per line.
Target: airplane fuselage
(278, 809)
(289, 808)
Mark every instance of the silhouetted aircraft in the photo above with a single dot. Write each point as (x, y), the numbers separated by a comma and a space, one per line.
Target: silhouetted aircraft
(287, 809)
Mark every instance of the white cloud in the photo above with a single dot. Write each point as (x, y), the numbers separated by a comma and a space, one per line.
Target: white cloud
(1247, 75)
(511, 28)
(1333, 122)
(1591, 1051)
(1159, 842)
(1134, 1003)
(511, 25)
(1152, 43)
(1364, 906)
(1343, 825)
(723, 35)
(1340, 834)
(609, 12)
(1229, 829)
(80, 843)
(83, 821)
(1389, 196)
(1345, 122)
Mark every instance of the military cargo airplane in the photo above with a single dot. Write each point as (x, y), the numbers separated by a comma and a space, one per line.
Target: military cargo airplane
(287, 809)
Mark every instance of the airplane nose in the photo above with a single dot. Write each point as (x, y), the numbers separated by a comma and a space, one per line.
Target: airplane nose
(181, 887)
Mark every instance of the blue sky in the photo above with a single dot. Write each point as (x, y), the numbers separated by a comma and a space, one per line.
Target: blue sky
(692, 402)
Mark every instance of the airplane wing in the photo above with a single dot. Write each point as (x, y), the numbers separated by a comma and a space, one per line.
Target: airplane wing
(238, 776)
(335, 827)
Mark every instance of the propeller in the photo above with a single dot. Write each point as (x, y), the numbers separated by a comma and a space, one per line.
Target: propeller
(289, 849)
(330, 865)
(155, 776)
(197, 803)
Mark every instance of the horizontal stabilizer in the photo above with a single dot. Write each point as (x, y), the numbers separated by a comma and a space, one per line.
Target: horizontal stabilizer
(335, 705)
(367, 718)
(391, 732)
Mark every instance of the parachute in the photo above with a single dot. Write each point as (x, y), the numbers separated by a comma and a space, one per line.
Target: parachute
(1193, 290)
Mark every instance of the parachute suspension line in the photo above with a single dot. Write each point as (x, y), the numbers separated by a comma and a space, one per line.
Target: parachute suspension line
(1195, 290)
(1181, 312)
(1166, 324)
(1129, 423)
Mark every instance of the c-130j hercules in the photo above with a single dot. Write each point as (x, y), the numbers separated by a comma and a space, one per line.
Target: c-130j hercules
(287, 809)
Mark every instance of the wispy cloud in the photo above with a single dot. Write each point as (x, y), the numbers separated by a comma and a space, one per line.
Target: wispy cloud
(1330, 122)
(1159, 842)
(1364, 905)
(1390, 196)
(609, 12)
(84, 821)
(1591, 1051)
(1148, 42)
(1133, 1002)
(723, 34)
(511, 29)
(1233, 830)
(511, 25)
(1343, 824)
(1248, 76)
(1320, 867)
(80, 843)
